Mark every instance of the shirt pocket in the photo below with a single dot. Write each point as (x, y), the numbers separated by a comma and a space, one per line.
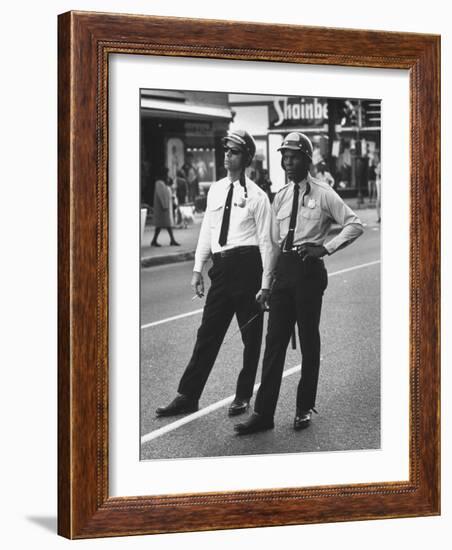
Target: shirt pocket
(311, 221)
(242, 215)
(313, 214)
(215, 214)
(283, 217)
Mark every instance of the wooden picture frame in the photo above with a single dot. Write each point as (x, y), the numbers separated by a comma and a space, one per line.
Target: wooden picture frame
(86, 40)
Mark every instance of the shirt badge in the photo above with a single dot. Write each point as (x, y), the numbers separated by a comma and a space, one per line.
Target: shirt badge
(311, 203)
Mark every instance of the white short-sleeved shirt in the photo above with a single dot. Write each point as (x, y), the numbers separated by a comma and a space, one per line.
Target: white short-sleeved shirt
(249, 223)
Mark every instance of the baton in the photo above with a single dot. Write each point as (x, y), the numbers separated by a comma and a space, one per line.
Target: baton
(253, 318)
(262, 311)
(249, 321)
(293, 338)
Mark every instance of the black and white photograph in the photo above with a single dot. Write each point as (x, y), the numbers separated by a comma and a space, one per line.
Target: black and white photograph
(168, 390)
(260, 292)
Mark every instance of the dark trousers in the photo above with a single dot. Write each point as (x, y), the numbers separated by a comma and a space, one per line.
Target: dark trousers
(235, 280)
(296, 298)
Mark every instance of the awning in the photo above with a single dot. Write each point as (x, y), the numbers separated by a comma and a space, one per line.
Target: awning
(157, 108)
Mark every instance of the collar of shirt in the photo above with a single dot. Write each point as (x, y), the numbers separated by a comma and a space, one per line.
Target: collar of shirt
(235, 183)
(219, 191)
(302, 185)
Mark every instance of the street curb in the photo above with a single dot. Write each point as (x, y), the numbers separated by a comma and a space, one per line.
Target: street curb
(168, 259)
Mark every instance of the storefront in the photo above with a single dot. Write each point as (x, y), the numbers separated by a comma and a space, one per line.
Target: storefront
(345, 135)
(355, 148)
(182, 132)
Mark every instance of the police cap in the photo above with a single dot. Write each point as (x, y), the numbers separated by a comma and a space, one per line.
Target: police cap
(296, 141)
(244, 141)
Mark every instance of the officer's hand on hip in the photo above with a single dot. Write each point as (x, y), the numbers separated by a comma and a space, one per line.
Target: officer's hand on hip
(197, 284)
(263, 298)
(312, 251)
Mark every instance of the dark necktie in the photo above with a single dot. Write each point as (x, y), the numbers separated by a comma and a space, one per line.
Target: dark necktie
(226, 217)
(293, 218)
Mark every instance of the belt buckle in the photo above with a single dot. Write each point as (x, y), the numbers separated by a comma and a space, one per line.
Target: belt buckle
(223, 253)
(293, 250)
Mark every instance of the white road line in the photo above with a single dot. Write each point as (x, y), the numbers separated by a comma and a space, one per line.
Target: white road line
(353, 268)
(182, 315)
(169, 319)
(214, 406)
(203, 412)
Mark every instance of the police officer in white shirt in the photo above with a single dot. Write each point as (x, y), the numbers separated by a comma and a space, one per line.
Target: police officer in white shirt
(302, 214)
(235, 231)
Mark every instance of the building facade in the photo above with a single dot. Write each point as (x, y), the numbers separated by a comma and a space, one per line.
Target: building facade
(345, 134)
(182, 131)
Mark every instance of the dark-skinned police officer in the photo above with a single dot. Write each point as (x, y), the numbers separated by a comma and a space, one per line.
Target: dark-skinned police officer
(302, 214)
(235, 231)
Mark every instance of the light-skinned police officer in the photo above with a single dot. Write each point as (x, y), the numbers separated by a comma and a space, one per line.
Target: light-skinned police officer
(236, 232)
(302, 214)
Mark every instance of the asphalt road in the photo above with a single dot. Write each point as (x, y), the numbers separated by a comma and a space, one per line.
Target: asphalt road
(348, 399)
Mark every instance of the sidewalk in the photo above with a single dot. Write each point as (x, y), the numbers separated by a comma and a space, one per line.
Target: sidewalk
(188, 238)
(166, 254)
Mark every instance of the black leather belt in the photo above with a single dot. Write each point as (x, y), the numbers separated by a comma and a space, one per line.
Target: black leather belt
(294, 252)
(234, 251)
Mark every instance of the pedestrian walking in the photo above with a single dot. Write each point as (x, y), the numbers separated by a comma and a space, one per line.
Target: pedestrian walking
(163, 207)
(302, 214)
(378, 188)
(236, 231)
(181, 187)
(191, 176)
(371, 181)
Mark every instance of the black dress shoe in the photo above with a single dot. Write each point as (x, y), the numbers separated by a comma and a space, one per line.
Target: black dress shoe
(238, 406)
(180, 405)
(255, 423)
(302, 419)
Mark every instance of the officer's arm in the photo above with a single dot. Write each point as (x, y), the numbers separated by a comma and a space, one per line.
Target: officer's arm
(263, 296)
(343, 215)
(203, 247)
(262, 218)
(274, 236)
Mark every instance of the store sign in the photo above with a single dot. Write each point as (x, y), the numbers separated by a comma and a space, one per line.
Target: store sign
(298, 111)
(198, 128)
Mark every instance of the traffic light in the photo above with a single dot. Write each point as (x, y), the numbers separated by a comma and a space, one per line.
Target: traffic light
(371, 113)
(353, 116)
